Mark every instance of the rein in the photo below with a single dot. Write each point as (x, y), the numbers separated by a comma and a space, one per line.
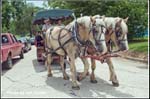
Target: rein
(103, 57)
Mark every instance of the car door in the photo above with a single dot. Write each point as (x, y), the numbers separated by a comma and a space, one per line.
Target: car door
(18, 46)
(12, 45)
(4, 47)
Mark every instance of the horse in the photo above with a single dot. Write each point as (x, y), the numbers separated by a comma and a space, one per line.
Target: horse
(117, 32)
(101, 44)
(68, 41)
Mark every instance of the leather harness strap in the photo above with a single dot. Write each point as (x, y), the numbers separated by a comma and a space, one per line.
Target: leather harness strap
(75, 37)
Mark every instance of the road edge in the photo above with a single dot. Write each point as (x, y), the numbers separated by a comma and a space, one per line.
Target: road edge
(135, 59)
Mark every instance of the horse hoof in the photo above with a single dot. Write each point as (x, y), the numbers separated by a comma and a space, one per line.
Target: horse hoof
(49, 75)
(94, 81)
(115, 84)
(75, 87)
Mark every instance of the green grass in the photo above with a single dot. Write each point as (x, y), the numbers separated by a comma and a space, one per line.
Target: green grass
(139, 46)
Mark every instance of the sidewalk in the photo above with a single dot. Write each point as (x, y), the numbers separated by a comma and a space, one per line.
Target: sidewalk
(130, 57)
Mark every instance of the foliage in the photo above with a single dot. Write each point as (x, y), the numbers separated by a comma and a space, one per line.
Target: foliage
(17, 16)
(136, 10)
(6, 15)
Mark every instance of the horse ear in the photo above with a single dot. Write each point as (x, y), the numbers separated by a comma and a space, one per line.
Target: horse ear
(126, 19)
(92, 20)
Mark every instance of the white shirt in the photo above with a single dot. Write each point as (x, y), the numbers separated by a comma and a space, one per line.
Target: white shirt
(46, 26)
(62, 25)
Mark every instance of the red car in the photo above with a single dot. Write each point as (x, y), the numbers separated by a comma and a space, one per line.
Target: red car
(10, 48)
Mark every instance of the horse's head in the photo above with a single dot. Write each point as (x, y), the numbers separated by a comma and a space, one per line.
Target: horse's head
(93, 30)
(85, 27)
(117, 32)
(99, 35)
(121, 31)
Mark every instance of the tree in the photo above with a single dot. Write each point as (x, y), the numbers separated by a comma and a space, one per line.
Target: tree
(7, 10)
(136, 10)
(17, 16)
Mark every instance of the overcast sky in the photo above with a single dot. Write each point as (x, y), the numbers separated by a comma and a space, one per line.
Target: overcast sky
(38, 3)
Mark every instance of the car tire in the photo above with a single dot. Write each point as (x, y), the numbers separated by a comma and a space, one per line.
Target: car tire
(8, 64)
(22, 54)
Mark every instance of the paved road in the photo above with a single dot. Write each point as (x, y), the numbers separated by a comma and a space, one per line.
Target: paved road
(28, 78)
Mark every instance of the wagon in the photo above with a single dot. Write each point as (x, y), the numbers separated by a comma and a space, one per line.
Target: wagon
(53, 15)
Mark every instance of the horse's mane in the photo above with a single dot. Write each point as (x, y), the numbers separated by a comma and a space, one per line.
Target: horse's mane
(124, 27)
(85, 20)
(100, 22)
(110, 22)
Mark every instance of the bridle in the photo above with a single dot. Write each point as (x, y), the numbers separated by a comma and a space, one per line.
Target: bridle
(118, 34)
(95, 32)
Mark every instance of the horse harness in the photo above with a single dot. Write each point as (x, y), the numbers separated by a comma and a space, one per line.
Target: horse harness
(74, 37)
(94, 33)
(118, 34)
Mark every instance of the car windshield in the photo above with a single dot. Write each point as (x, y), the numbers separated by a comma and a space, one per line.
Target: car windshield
(23, 39)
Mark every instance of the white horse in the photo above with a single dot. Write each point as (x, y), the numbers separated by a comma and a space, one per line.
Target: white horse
(101, 46)
(117, 32)
(64, 41)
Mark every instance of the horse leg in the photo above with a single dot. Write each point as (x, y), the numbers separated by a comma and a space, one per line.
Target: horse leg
(65, 76)
(86, 68)
(73, 72)
(49, 60)
(113, 76)
(92, 77)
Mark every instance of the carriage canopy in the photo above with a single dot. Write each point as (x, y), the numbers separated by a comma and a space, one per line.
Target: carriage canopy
(53, 14)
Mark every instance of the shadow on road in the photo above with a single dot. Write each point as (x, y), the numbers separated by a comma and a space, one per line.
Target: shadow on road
(4, 69)
(87, 89)
(142, 67)
(40, 67)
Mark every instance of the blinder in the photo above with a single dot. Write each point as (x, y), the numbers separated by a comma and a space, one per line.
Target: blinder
(119, 34)
(95, 33)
